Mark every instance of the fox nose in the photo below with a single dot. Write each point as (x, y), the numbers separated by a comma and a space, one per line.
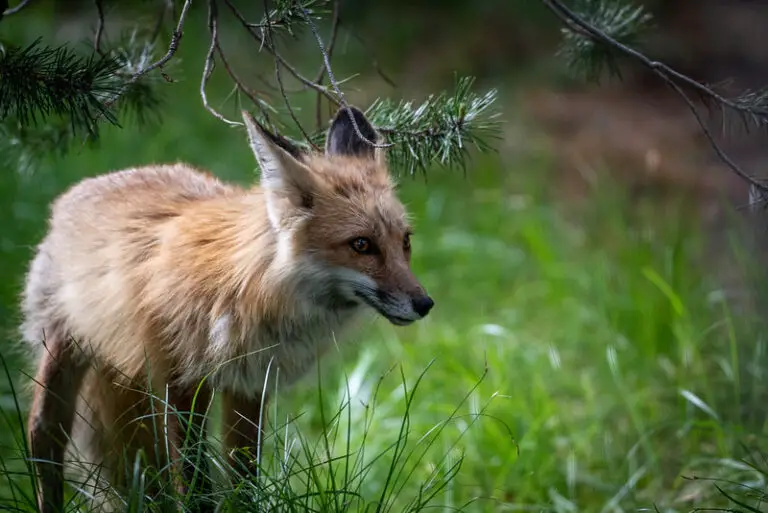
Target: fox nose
(422, 305)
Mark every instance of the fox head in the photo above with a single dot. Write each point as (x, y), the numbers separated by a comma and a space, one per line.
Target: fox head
(339, 210)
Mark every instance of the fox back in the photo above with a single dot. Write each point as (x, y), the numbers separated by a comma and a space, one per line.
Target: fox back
(170, 267)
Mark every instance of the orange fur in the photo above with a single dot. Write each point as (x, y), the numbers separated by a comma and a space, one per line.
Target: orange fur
(159, 277)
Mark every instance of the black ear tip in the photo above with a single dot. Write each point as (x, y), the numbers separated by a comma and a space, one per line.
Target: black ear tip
(342, 115)
(343, 138)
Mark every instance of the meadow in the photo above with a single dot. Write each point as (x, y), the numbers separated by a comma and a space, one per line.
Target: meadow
(580, 357)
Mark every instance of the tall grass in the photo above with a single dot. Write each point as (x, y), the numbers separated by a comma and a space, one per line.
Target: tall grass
(356, 461)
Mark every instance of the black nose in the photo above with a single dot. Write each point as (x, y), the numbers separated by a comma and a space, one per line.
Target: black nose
(422, 305)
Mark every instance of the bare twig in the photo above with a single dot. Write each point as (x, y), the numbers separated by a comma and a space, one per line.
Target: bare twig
(239, 84)
(99, 28)
(332, 42)
(213, 26)
(334, 84)
(293, 71)
(720, 153)
(669, 75)
(270, 45)
(321, 72)
(209, 64)
(14, 10)
(172, 47)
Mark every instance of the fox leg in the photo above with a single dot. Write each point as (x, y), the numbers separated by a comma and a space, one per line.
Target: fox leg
(59, 377)
(243, 428)
(187, 433)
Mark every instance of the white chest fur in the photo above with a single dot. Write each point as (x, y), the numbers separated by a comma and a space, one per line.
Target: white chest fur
(284, 350)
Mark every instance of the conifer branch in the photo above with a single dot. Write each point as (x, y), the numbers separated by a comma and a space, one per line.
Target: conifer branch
(598, 31)
(441, 130)
(253, 30)
(114, 80)
(40, 82)
(332, 79)
(172, 48)
(270, 43)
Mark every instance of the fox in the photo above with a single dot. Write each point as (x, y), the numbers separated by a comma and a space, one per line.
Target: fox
(167, 277)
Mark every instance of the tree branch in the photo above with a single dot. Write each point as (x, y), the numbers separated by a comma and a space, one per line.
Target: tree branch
(99, 28)
(270, 45)
(321, 72)
(293, 71)
(14, 10)
(239, 84)
(209, 63)
(669, 75)
(172, 48)
(334, 83)
(439, 130)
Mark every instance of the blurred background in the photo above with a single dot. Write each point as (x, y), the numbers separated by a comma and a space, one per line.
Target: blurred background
(598, 275)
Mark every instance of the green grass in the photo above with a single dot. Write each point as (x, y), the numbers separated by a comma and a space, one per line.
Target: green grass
(577, 359)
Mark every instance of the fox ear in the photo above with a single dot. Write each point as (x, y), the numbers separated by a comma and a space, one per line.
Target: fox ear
(342, 138)
(288, 183)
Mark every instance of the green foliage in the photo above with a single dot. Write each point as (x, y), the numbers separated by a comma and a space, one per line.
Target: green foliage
(287, 15)
(440, 131)
(52, 98)
(597, 32)
(41, 83)
(622, 21)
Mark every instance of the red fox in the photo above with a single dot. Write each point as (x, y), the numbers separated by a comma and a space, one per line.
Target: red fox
(164, 275)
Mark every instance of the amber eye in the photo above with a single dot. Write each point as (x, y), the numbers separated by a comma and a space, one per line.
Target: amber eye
(362, 245)
(407, 241)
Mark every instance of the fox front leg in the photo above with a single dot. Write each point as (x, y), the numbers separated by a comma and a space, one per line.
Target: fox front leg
(242, 418)
(58, 380)
(187, 433)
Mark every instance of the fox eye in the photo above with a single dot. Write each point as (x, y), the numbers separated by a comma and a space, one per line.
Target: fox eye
(362, 245)
(407, 241)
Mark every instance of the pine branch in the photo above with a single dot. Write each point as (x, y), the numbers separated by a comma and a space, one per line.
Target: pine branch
(334, 83)
(49, 97)
(624, 23)
(270, 43)
(140, 99)
(40, 82)
(596, 31)
(441, 130)
(172, 49)
(287, 15)
(117, 81)
(257, 35)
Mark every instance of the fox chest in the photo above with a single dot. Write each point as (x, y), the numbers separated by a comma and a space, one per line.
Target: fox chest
(272, 353)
